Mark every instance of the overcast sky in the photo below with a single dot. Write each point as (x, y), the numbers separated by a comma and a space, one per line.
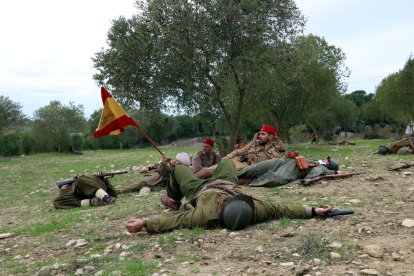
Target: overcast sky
(46, 45)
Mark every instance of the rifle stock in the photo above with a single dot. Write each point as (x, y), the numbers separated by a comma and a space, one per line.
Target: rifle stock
(69, 181)
(307, 182)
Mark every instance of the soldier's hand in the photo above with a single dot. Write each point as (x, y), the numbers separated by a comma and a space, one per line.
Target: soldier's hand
(323, 210)
(98, 174)
(134, 225)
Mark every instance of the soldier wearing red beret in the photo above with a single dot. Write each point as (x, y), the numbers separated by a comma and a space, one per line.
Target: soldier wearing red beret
(262, 147)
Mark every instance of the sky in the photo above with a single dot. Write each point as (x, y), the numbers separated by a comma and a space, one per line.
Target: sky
(46, 45)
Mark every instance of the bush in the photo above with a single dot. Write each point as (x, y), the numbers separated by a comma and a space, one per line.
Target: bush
(11, 145)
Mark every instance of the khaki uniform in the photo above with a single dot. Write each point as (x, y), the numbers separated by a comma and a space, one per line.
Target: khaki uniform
(405, 142)
(152, 181)
(209, 201)
(84, 187)
(280, 171)
(159, 179)
(250, 154)
(201, 160)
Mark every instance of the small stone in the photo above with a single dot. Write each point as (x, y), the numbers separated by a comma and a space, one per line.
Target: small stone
(70, 243)
(79, 271)
(89, 268)
(334, 255)
(98, 273)
(301, 270)
(369, 271)
(44, 271)
(354, 201)
(317, 261)
(287, 264)
(80, 243)
(233, 234)
(408, 223)
(373, 250)
(95, 256)
(5, 235)
(144, 191)
(335, 245)
(288, 235)
(396, 257)
(17, 257)
(260, 249)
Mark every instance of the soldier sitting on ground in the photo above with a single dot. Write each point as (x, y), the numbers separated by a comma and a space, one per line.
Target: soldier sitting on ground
(87, 190)
(396, 146)
(204, 158)
(216, 202)
(265, 145)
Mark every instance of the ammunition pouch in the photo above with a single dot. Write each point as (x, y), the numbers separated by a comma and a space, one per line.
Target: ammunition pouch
(292, 154)
(302, 165)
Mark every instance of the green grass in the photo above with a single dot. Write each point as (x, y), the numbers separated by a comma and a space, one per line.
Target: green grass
(27, 189)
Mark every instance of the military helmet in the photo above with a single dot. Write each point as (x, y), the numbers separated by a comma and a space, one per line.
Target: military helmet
(237, 213)
(332, 164)
(383, 150)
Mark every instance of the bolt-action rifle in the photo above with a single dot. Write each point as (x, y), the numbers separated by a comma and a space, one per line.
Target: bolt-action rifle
(399, 167)
(307, 182)
(102, 175)
(335, 213)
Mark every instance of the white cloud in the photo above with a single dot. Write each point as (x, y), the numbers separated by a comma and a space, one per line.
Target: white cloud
(46, 49)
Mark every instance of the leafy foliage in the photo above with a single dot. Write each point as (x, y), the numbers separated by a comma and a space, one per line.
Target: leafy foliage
(10, 113)
(53, 124)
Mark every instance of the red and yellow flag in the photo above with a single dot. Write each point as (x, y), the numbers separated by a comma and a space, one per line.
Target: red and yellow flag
(114, 119)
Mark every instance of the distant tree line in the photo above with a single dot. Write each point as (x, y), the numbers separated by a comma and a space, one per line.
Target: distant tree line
(230, 66)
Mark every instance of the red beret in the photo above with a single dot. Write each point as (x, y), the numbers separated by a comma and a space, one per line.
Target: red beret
(270, 130)
(209, 142)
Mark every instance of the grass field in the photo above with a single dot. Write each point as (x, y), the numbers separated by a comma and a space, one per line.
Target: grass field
(40, 234)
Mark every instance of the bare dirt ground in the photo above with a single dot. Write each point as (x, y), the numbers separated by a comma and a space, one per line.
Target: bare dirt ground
(373, 241)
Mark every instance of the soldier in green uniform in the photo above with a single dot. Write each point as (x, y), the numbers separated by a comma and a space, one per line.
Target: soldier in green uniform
(216, 202)
(280, 171)
(87, 190)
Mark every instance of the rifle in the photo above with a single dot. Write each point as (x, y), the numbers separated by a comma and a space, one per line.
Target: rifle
(335, 213)
(307, 182)
(404, 165)
(102, 175)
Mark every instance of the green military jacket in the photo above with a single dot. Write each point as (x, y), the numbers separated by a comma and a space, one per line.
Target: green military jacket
(205, 214)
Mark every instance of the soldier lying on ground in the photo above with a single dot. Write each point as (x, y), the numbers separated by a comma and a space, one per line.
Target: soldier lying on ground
(160, 177)
(280, 171)
(265, 145)
(87, 190)
(216, 202)
(396, 146)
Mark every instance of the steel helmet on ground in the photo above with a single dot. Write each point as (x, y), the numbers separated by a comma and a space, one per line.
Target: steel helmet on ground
(237, 213)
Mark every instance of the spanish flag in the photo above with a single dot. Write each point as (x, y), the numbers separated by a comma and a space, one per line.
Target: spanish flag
(114, 119)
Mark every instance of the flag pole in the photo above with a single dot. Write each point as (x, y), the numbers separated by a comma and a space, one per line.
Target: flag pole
(149, 138)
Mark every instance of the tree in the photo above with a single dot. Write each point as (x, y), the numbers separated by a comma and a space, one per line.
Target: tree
(396, 93)
(359, 97)
(202, 55)
(302, 77)
(10, 113)
(53, 123)
(338, 113)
